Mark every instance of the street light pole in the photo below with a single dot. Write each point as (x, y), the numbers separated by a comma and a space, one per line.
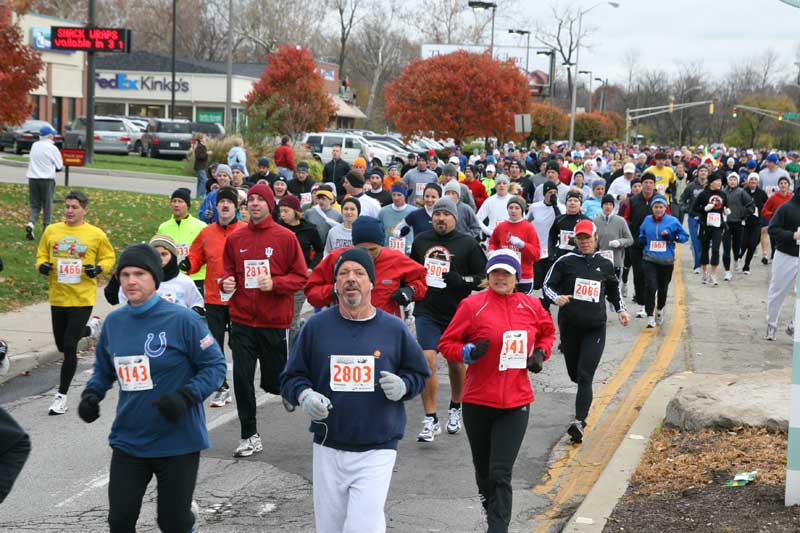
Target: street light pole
(603, 87)
(589, 72)
(527, 47)
(551, 75)
(174, 33)
(680, 118)
(478, 5)
(575, 80)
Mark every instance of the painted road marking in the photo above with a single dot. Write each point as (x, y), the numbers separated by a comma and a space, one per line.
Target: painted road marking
(581, 475)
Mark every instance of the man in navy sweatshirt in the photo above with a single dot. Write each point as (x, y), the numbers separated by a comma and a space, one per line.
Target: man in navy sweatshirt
(350, 369)
(166, 363)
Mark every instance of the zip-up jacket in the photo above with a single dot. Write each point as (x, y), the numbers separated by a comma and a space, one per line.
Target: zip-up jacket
(524, 230)
(740, 204)
(206, 251)
(574, 270)
(392, 271)
(265, 240)
(659, 248)
(759, 199)
(183, 232)
(309, 240)
(489, 315)
(689, 195)
(638, 208)
(462, 254)
(561, 233)
(720, 200)
(783, 225)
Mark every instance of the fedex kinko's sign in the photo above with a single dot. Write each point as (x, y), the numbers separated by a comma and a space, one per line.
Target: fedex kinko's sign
(125, 82)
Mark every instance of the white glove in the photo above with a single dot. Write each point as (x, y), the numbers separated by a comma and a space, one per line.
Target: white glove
(709, 207)
(727, 211)
(615, 243)
(516, 241)
(393, 385)
(315, 405)
(396, 233)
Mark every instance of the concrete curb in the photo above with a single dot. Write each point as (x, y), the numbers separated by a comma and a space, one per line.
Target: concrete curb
(25, 362)
(114, 173)
(598, 505)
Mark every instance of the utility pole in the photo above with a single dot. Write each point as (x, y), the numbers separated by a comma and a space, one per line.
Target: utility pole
(90, 75)
(229, 72)
(174, 33)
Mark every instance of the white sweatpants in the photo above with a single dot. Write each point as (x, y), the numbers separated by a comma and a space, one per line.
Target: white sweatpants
(784, 274)
(350, 489)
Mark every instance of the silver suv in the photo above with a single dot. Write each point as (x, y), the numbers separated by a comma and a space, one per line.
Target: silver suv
(112, 135)
(167, 137)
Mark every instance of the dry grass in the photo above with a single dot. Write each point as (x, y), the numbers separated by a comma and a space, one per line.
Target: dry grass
(676, 460)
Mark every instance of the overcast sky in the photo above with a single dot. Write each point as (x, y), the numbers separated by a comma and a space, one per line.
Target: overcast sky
(716, 33)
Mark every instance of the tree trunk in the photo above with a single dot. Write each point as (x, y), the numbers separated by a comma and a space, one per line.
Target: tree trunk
(373, 90)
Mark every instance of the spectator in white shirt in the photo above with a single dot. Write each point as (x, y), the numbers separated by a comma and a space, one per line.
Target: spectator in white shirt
(45, 161)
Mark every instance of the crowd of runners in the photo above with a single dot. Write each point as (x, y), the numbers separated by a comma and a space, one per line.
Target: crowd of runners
(345, 291)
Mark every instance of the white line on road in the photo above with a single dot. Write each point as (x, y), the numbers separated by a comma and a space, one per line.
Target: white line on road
(102, 480)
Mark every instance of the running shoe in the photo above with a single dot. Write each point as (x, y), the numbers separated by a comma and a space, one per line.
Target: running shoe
(651, 322)
(59, 405)
(696, 270)
(659, 317)
(29, 231)
(249, 446)
(728, 276)
(641, 313)
(454, 420)
(764, 261)
(222, 397)
(624, 290)
(790, 329)
(95, 324)
(196, 514)
(737, 265)
(430, 429)
(575, 431)
(706, 277)
(746, 271)
(713, 280)
(770, 336)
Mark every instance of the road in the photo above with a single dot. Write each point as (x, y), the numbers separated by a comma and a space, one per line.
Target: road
(710, 329)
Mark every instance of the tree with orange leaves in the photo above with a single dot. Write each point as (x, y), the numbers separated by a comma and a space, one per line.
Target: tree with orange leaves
(20, 66)
(292, 91)
(457, 95)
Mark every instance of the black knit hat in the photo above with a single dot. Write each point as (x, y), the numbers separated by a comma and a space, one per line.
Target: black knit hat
(553, 165)
(142, 256)
(184, 194)
(607, 199)
(228, 193)
(360, 256)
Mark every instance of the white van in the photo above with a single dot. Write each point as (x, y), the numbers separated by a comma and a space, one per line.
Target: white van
(353, 146)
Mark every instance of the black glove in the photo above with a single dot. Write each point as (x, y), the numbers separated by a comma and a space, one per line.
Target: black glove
(45, 268)
(172, 406)
(89, 408)
(199, 310)
(403, 296)
(405, 231)
(453, 279)
(480, 349)
(3, 349)
(536, 360)
(93, 270)
(185, 265)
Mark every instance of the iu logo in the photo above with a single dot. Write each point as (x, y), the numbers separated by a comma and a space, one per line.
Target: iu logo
(268, 251)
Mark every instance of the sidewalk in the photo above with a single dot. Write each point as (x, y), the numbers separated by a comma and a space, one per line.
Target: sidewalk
(107, 172)
(30, 336)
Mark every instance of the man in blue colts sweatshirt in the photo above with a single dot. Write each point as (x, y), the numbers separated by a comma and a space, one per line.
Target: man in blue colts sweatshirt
(350, 369)
(166, 363)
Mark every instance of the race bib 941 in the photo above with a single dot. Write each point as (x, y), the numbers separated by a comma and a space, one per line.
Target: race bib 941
(352, 373)
(133, 372)
(514, 353)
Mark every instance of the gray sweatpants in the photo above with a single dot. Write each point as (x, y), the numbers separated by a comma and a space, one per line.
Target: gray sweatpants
(41, 193)
(784, 275)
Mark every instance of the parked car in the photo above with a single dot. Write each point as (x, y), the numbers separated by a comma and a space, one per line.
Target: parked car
(21, 138)
(167, 137)
(210, 129)
(353, 146)
(112, 135)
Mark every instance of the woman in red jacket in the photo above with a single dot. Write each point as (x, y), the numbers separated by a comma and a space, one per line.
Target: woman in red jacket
(500, 334)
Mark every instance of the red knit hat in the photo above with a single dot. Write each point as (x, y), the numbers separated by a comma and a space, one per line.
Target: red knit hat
(265, 192)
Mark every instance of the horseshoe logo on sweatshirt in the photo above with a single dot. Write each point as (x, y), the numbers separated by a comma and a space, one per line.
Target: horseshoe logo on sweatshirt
(162, 347)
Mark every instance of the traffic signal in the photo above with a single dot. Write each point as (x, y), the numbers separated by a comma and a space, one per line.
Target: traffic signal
(711, 108)
(671, 107)
(734, 111)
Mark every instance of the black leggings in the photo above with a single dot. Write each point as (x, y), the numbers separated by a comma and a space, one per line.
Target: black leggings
(583, 348)
(751, 238)
(710, 238)
(495, 436)
(219, 320)
(732, 239)
(657, 279)
(69, 326)
(626, 266)
(129, 477)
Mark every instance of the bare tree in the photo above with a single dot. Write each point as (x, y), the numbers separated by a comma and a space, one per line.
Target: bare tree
(299, 23)
(346, 11)
(561, 34)
(456, 22)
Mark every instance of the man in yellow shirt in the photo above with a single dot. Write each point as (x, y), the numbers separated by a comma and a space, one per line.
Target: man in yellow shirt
(666, 181)
(183, 228)
(72, 254)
